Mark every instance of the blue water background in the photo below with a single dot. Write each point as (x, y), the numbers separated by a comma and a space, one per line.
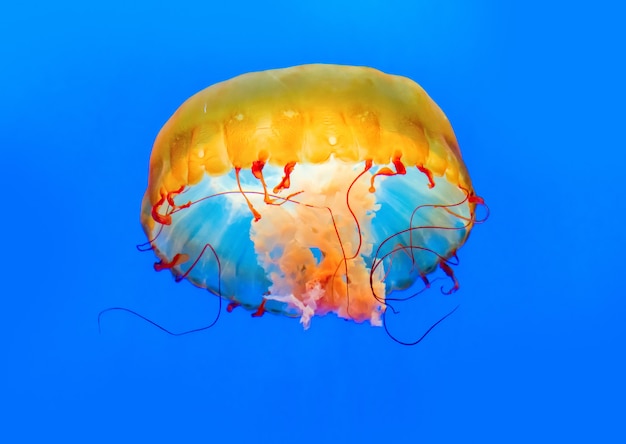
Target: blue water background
(535, 353)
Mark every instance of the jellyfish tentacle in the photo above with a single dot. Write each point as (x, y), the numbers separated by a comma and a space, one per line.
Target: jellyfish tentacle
(163, 219)
(231, 306)
(195, 262)
(170, 199)
(399, 167)
(368, 166)
(429, 175)
(447, 269)
(166, 219)
(260, 309)
(257, 171)
(286, 180)
(255, 213)
(179, 258)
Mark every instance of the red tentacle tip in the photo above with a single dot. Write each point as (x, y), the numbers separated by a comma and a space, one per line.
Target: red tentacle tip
(448, 271)
(171, 194)
(286, 181)
(257, 168)
(259, 311)
(231, 306)
(476, 200)
(429, 175)
(399, 166)
(178, 259)
(163, 219)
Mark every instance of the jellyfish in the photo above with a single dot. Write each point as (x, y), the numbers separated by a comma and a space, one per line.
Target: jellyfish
(308, 190)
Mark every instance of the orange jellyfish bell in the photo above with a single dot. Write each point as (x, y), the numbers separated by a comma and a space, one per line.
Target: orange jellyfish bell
(308, 190)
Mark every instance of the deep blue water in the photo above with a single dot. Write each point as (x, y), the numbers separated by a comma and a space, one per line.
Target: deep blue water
(535, 353)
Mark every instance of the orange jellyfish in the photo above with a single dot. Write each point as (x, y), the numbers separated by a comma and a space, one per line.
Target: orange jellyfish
(308, 190)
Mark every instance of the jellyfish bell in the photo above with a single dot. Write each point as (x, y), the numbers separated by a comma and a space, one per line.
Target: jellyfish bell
(308, 190)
